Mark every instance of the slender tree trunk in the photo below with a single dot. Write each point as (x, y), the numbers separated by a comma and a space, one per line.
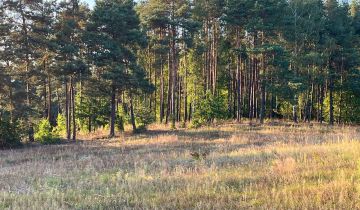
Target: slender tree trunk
(331, 102)
(150, 76)
(113, 112)
(169, 92)
(322, 92)
(49, 112)
(162, 91)
(295, 117)
(27, 71)
(132, 113)
(311, 102)
(341, 90)
(73, 109)
(214, 56)
(263, 103)
(70, 108)
(45, 109)
(234, 95)
(89, 124)
(250, 88)
(178, 99)
(173, 76)
(238, 77)
(229, 87)
(185, 90)
(263, 87)
(156, 88)
(331, 98)
(67, 111)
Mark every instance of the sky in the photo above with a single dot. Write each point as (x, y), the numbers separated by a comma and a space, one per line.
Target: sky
(91, 3)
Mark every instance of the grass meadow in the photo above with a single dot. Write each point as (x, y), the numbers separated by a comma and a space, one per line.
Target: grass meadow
(227, 166)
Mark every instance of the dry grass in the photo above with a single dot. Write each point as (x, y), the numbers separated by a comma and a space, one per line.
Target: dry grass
(245, 167)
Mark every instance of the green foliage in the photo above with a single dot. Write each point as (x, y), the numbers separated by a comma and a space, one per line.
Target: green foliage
(286, 109)
(120, 123)
(253, 56)
(348, 113)
(60, 129)
(210, 108)
(9, 134)
(144, 116)
(44, 133)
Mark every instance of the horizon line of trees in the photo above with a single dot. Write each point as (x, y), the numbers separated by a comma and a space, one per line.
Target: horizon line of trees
(71, 68)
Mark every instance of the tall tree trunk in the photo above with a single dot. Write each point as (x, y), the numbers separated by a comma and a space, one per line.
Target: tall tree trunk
(67, 111)
(331, 97)
(321, 113)
(49, 112)
(169, 92)
(234, 94)
(73, 109)
(331, 101)
(185, 89)
(295, 117)
(178, 102)
(250, 87)
(113, 112)
(27, 70)
(132, 115)
(173, 76)
(229, 87)
(263, 83)
(214, 56)
(155, 85)
(70, 109)
(162, 92)
(311, 103)
(45, 108)
(89, 124)
(238, 77)
(263, 102)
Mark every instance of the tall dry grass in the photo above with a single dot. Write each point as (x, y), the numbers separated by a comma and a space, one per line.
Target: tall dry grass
(245, 167)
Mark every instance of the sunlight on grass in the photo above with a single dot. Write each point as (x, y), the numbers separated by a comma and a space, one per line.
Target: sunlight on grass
(269, 167)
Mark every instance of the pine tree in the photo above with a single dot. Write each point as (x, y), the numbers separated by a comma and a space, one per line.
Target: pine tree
(70, 57)
(113, 37)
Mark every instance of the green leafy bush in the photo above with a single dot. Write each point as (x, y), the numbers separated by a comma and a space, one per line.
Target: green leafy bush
(60, 129)
(144, 117)
(44, 133)
(210, 109)
(9, 134)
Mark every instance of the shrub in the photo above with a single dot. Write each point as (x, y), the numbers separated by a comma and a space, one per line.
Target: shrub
(60, 129)
(143, 117)
(44, 133)
(9, 134)
(209, 109)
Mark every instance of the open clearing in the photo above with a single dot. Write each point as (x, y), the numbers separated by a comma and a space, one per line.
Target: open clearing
(224, 167)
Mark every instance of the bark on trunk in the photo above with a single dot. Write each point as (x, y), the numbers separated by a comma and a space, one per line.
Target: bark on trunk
(67, 111)
(73, 110)
(238, 78)
(132, 114)
(113, 112)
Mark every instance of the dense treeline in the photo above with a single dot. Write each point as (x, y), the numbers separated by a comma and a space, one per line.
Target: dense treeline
(65, 68)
